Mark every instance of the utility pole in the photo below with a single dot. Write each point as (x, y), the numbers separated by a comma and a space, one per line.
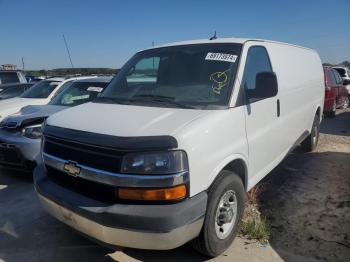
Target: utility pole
(70, 59)
(22, 64)
(153, 57)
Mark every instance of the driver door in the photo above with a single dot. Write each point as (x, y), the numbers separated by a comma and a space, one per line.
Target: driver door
(262, 117)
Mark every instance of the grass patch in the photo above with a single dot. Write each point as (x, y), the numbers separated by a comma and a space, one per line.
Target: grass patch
(256, 228)
(253, 195)
(254, 225)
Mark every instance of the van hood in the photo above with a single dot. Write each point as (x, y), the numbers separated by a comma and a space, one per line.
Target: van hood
(30, 114)
(124, 120)
(13, 105)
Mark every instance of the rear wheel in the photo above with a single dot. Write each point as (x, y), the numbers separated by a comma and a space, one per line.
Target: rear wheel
(224, 212)
(346, 103)
(334, 110)
(310, 143)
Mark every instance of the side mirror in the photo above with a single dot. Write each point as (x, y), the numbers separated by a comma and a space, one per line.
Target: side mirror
(265, 86)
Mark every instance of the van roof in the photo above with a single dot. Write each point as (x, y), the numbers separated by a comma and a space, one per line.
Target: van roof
(225, 40)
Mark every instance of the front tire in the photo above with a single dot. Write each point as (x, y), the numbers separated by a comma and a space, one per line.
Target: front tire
(225, 208)
(310, 143)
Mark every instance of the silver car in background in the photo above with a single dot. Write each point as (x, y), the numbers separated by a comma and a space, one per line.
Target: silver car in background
(20, 133)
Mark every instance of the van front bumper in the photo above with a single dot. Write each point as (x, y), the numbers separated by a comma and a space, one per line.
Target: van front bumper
(158, 227)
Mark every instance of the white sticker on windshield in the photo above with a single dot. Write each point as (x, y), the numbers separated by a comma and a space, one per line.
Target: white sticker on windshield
(221, 57)
(54, 83)
(95, 89)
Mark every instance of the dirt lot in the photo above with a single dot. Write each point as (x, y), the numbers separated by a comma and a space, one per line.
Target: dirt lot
(306, 200)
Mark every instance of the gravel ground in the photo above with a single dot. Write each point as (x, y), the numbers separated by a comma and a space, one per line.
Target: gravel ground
(306, 200)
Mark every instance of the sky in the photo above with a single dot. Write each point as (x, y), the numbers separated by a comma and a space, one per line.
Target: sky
(106, 33)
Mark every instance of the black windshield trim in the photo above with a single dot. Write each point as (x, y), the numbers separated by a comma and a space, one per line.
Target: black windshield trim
(115, 142)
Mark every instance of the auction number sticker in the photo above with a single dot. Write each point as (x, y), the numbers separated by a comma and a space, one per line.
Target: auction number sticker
(95, 89)
(221, 57)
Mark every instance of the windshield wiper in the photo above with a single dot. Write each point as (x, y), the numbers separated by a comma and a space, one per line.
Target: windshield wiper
(159, 99)
(153, 96)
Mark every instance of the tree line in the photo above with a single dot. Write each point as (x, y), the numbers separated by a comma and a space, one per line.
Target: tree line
(72, 71)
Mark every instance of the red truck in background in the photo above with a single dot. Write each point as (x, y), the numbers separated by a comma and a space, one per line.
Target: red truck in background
(336, 95)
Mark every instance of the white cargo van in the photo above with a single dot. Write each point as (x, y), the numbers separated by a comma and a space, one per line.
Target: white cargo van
(166, 154)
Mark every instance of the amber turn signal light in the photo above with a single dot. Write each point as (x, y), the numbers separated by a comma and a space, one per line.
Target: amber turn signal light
(161, 194)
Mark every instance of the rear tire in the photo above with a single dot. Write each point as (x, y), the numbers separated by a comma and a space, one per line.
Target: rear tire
(222, 217)
(334, 110)
(310, 143)
(346, 103)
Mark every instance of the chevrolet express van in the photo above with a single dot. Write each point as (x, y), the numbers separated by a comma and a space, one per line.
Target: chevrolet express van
(166, 154)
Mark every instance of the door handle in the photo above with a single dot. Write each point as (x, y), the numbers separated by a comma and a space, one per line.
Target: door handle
(278, 108)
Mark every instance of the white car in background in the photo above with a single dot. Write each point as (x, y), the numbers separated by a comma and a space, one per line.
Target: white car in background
(344, 72)
(39, 94)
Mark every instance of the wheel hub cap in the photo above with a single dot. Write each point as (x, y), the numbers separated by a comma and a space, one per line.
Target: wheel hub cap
(315, 135)
(226, 214)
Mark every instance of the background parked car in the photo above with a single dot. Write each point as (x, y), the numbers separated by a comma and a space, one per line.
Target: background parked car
(345, 75)
(32, 79)
(336, 95)
(13, 90)
(23, 130)
(39, 94)
(11, 76)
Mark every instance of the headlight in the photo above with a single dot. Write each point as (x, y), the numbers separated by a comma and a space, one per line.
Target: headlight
(34, 132)
(155, 163)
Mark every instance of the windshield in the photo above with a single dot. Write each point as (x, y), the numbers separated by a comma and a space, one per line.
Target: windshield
(11, 92)
(189, 76)
(341, 71)
(78, 93)
(41, 90)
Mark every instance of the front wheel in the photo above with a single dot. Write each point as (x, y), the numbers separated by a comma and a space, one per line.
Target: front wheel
(225, 208)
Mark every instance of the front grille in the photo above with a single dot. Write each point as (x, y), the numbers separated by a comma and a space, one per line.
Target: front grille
(97, 191)
(9, 155)
(93, 156)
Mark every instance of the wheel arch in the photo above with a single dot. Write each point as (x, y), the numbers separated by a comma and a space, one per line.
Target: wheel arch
(236, 164)
(319, 112)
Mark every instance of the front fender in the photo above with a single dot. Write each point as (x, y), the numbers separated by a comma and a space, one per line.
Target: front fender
(227, 161)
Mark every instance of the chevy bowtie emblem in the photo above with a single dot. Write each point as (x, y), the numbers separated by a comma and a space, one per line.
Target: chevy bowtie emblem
(72, 168)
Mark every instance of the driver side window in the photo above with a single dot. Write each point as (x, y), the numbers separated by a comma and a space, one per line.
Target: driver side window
(257, 61)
